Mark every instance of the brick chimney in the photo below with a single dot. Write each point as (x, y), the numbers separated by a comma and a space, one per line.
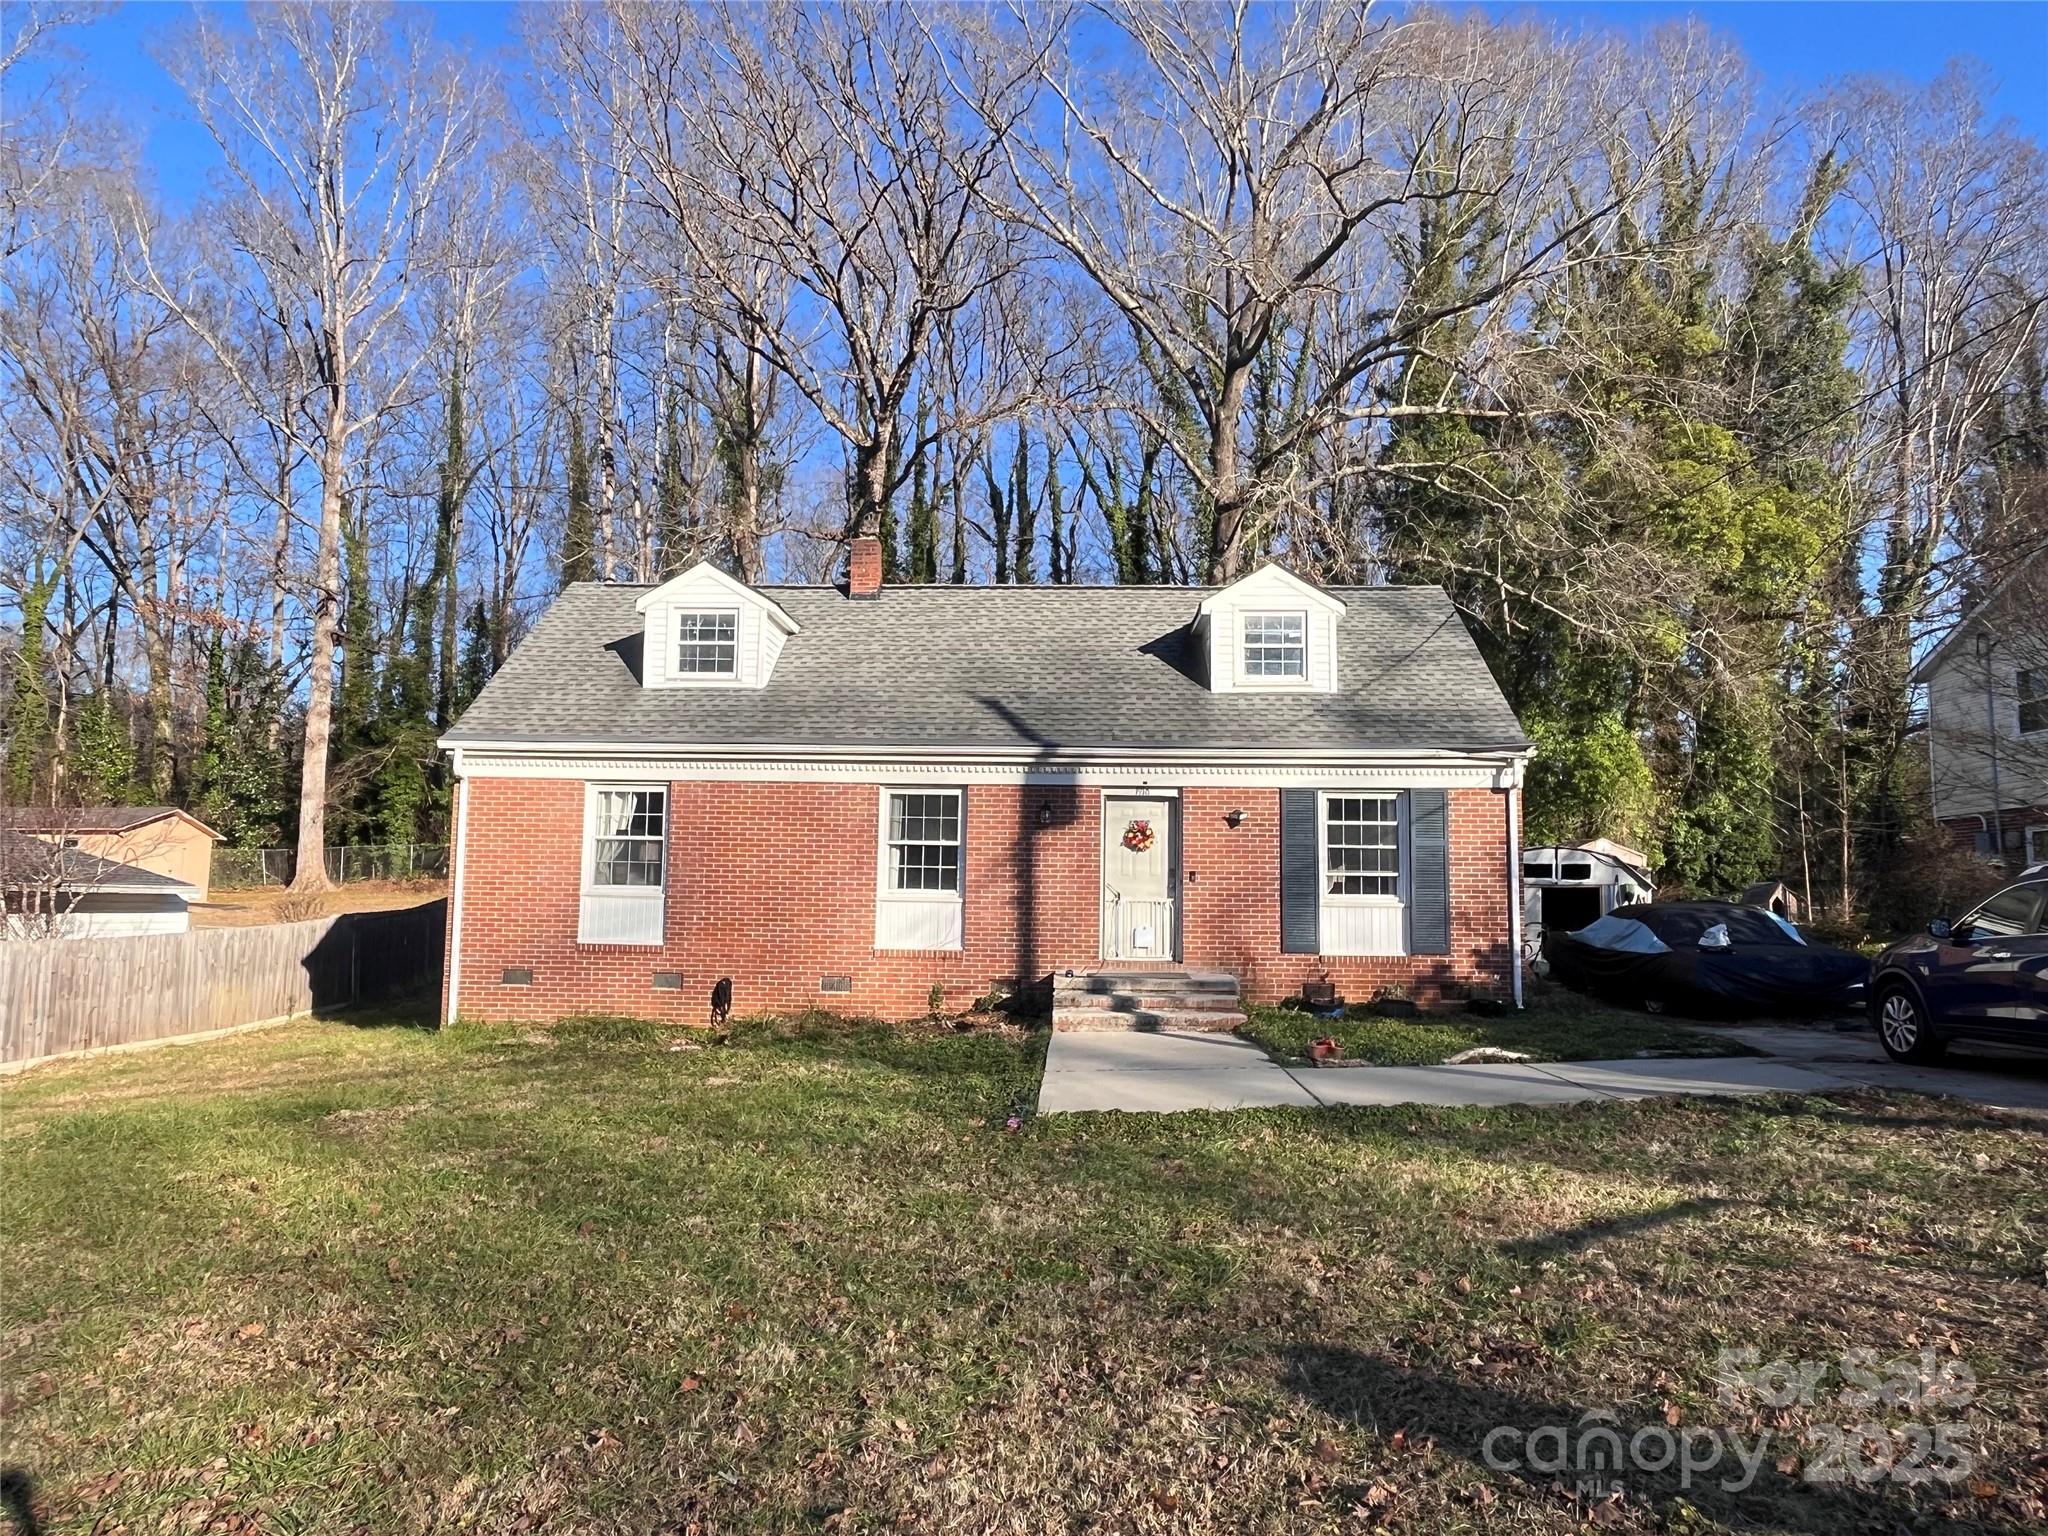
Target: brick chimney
(864, 567)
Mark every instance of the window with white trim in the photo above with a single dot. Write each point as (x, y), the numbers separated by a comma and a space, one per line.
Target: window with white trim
(2032, 686)
(923, 842)
(1362, 845)
(625, 864)
(708, 643)
(1276, 645)
(629, 836)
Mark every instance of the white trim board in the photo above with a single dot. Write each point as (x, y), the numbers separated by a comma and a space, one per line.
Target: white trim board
(1394, 771)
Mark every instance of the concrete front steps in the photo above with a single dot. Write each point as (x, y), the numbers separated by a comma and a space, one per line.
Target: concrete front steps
(1134, 999)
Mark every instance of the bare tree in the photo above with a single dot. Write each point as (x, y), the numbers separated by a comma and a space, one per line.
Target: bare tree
(339, 128)
(1246, 182)
(1949, 231)
(816, 153)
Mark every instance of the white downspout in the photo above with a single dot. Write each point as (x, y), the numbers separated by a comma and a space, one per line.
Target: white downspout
(1515, 890)
(455, 892)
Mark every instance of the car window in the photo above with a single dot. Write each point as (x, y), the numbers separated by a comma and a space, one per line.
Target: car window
(1749, 927)
(2011, 911)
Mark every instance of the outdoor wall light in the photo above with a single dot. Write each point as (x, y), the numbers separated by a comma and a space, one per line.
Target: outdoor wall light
(1233, 818)
(1045, 813)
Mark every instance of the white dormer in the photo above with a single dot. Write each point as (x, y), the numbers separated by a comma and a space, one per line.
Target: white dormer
(1269, 632)
(705, 630)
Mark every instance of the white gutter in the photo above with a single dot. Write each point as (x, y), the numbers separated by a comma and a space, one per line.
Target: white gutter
(1515, 893)
(455, 891)
(1009, 754)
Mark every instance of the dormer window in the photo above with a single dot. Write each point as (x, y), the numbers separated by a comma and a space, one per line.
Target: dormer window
(1270, 632)
(703, 629)
(707, 643)
(1276, 645)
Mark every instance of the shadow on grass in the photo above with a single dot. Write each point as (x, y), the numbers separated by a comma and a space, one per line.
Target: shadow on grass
(1566, 1240)
(1494, 1429)
(417, 1010)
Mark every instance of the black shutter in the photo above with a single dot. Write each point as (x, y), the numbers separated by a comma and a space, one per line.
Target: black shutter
(1429, 872)
(1300, 873)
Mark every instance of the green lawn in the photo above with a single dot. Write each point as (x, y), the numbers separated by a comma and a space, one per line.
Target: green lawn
(1559, 1026)
(331, 1278)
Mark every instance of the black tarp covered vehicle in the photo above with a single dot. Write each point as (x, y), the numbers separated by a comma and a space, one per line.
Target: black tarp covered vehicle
(1707, 958)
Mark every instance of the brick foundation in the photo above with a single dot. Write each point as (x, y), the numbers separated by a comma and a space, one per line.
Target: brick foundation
(773, 884)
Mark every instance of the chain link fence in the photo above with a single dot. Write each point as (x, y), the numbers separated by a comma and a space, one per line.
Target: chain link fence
(240, 868)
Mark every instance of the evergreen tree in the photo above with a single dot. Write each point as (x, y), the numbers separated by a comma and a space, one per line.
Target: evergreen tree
(1023, 509)
(102, 766)
(999, 517)
(245, 783)
(356, 696)
(444, 587)
(28, 709)
(1059, 555)
(924, 513)
(671, 497)
(478, 654)
(579, 524)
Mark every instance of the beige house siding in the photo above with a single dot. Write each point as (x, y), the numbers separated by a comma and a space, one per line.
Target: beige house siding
(170, 846)
(1979, 760)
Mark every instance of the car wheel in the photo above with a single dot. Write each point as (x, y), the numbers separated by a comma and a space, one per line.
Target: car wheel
(1903, 1031)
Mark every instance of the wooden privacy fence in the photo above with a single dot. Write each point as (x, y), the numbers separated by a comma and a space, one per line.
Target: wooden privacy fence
(63, 995)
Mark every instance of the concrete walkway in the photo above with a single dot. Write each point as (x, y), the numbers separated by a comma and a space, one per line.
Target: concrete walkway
(1172, 1070)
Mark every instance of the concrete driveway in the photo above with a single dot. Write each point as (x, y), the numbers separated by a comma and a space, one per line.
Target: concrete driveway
(1175, 1070)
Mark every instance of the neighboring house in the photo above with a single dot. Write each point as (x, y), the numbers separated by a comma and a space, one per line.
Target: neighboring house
(154, 837)
(51, 891)
(1987, 722)
(860, 799)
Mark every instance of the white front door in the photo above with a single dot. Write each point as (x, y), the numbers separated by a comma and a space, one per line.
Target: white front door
(1140, 875)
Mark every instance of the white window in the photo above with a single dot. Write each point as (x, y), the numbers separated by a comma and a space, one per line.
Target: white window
(1276, 645)
(1362, 846)
(625, 864)
(2032, 687)
(707, 643)
(918, 896)
(924, 842)
(630, 835)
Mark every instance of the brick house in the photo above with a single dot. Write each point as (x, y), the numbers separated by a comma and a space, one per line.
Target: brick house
(856, 798)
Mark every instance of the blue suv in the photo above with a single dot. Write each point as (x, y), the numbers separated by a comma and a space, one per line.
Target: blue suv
(1982, 977)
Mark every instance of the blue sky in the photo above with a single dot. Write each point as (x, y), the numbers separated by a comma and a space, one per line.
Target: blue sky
(1794, 43)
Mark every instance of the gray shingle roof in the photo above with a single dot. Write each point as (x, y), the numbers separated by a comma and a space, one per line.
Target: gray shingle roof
(1030, 668)
(27, 862)
(93, 818)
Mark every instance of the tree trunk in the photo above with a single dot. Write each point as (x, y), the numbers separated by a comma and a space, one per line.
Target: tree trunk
(1227, 492)
(311, 873)
(871, 480)
(746, 529)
